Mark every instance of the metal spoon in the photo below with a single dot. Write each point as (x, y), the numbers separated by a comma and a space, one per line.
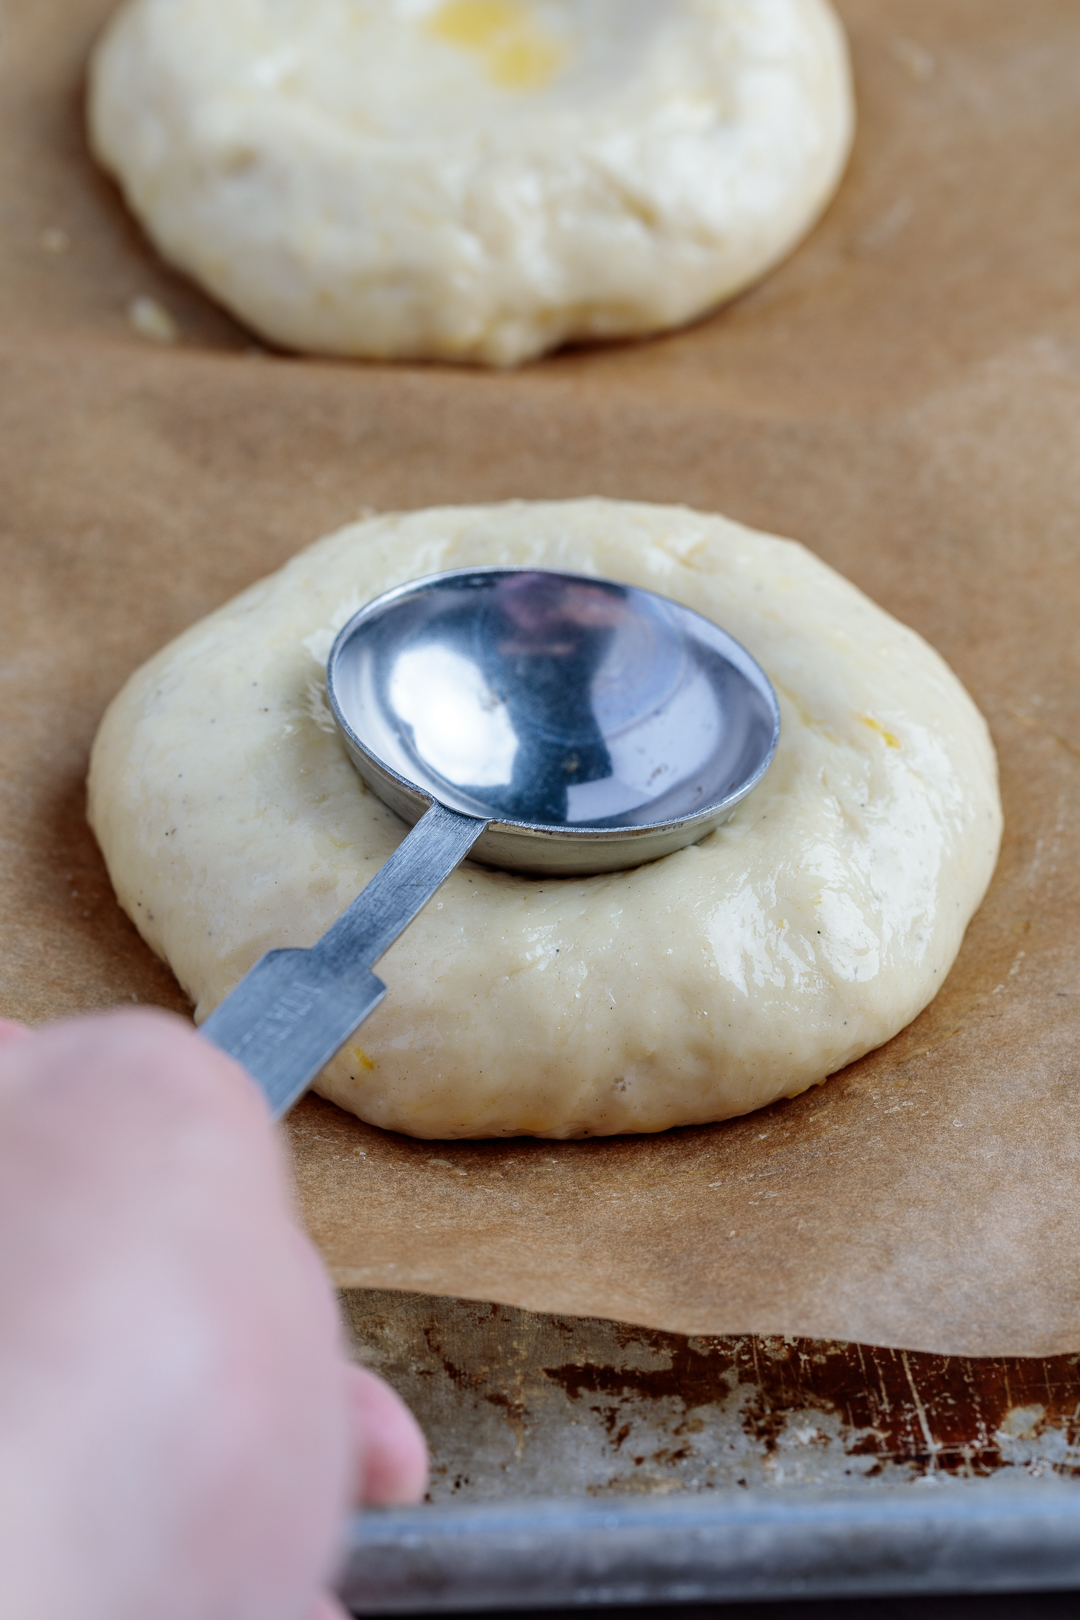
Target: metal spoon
(548, 723)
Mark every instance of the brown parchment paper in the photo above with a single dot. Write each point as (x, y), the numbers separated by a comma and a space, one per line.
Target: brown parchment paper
(903, 395)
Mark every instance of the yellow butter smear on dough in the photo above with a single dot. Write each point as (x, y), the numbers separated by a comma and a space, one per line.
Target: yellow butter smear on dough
(361, 1057)
(518, 55)
(875, 725)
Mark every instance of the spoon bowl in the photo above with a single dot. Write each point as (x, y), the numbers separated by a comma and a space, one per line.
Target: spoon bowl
(592, 725)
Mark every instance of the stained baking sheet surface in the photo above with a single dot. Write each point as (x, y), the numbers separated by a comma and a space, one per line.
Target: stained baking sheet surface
(517, 1404)
(582, 1461)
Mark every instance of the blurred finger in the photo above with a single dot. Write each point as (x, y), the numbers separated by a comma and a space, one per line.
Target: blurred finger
(11, 1034)
(391, 1445)
(327, 1608)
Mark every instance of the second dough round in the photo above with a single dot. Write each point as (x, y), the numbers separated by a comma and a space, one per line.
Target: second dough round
(475, 180)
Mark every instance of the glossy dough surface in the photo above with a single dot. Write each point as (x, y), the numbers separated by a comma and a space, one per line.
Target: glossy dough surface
(471, 180)
(807, 930)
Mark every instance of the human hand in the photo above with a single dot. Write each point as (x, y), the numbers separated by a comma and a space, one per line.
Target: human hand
(180, 1432)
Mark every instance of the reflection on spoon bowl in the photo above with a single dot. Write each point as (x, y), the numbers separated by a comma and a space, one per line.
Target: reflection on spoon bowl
(594, 725)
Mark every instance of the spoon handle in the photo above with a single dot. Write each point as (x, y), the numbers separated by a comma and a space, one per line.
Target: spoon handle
(287, 1017)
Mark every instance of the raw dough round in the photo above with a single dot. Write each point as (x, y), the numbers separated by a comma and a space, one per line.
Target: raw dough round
(807, 930)
(472, 179)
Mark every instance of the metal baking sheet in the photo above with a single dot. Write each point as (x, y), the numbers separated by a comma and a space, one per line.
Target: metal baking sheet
(802, 1542)
(580, 1461)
